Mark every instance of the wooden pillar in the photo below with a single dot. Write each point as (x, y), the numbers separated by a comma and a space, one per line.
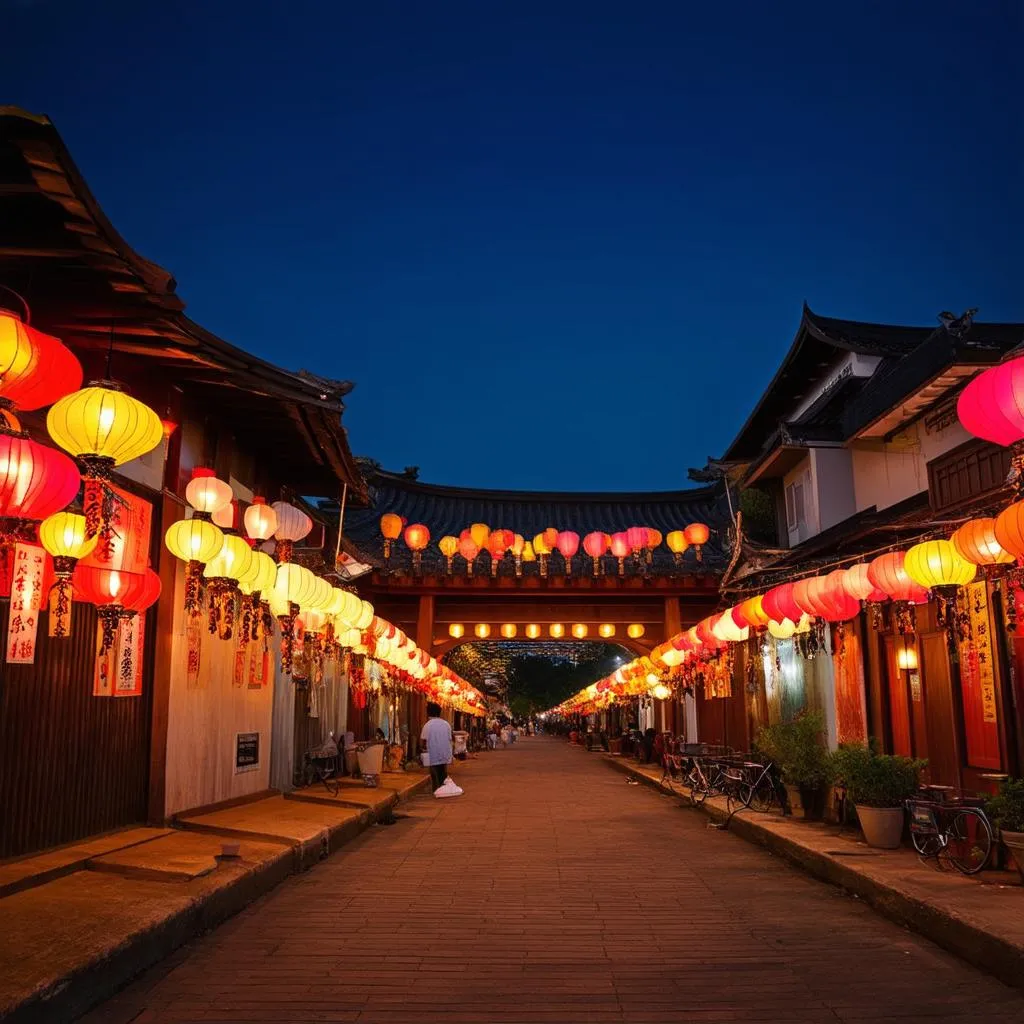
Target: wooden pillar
(673, 617)
(425, 641)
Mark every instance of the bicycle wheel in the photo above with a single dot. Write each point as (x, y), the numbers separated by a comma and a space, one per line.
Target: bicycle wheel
(738, 797)
(698, 793)
(927, 844)
(763, 797)
(969, 841)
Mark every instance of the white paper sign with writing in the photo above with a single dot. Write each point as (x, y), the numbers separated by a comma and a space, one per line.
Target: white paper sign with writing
(26, 600)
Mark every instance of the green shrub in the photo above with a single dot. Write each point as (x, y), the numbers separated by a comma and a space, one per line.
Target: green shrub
(875, 780)
(1006, 808)
(798, 749)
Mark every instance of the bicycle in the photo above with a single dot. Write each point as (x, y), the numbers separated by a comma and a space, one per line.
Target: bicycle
(953, 828)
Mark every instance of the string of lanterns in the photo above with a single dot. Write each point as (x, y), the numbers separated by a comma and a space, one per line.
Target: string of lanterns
(637, 543)
(991, 407)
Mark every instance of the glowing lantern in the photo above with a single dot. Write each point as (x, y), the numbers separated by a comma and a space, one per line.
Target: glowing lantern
(391, 530)
(533, 631)
(206, 494)
(726, 630)
(696, 535)
(112, 591)
(529, 555)
(63, 536)
(677, 544)
(469, 549)
(753, 611)
(660, 692)
(936, 565)
(859, 586)
(195, 541)
(417, 537)
(783, 630)
(780, 604)
(621, 549)
(482, 630)
(260, 520)
(543, 549)
(992, 405)
(35, 481)
(102, 427)
(292, 524)
(508, 630)
(449, 546)
(888, 574)
(579, 630)
(653, 540)
(497, 544)
(232, 563)
(227, 517)
(259, 581)
(606, 630)
(635, 630)
(840, 604)
(976, 541)
(556, 630)
(568, 544)
(456, 630)
(480, 532)
(637, 537)
(36, 369)
(596, 544)
(518, 548)
(550, 536)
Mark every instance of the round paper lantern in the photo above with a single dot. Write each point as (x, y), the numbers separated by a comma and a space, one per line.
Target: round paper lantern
(509, 630)
(540, 545)
(677, 544)
(934, 564)
(783, 630)
(63, 536)
(456, 630)
(390, 526)
(550, 536)
(568, 544)
(365, 616)
(595, 545)
(469, 549)
(653, 538)
(482, 630)
(111, 591)
(449, 546)
(36, 369)
(194, 540)
(417, 537)
(206, 494)
(260, 520)
(103, 426)
(637, 537)
(888, 574)
(292, 524)
(529, 555)
(262, 577)
(635, 630)
(780, 604)
(139, 599)
(35, 481)
(227, 517)
(726, 630)
(556, 630)
(976, 541)
(807, 601)
(497, 545)
(621, 549)
(992, 405)
(1009, 530)
(480, 532)
(841, 605)
(696, 534)
(232, 562)
(858, 584)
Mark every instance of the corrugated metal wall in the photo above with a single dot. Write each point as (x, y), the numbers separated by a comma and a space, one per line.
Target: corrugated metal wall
(71, 764)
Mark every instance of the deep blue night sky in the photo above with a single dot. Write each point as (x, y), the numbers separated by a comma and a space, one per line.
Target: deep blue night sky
(557, 245)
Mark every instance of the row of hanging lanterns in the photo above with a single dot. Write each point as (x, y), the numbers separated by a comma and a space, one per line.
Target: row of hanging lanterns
(98, 427)
(638, 542)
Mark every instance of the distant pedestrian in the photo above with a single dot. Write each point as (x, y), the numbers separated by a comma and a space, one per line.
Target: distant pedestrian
(436, 740)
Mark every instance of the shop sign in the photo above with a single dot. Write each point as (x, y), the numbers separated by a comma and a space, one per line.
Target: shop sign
(247, 752)
(26, 599)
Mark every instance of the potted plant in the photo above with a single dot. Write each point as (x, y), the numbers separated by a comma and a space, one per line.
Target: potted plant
(1006, 811)
(799, 752)
(878, 785)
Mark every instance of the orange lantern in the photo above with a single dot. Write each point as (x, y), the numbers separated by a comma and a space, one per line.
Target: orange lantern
(449, 547)
(497, 544)
(391, 530)
(417, 537)
(480, 532)
(517, 547)
(469, 549)
(697, 534)
(976, 541)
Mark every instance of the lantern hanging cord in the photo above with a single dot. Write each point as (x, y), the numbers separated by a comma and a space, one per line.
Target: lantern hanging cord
(110, 351)
(341, 522)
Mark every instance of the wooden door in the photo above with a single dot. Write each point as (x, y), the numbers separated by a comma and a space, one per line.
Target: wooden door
(899, 701)
(943, 748)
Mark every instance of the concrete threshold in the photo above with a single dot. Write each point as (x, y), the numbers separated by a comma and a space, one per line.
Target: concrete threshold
(72, 939)
(980, 921)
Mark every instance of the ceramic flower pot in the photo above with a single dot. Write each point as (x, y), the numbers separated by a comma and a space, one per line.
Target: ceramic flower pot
(1014, 842)
(882, 826)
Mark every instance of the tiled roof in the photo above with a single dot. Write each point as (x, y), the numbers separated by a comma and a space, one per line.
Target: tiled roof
(450, 510)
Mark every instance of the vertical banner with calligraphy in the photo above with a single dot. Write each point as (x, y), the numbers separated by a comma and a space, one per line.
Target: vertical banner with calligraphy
(128, 660)
(127, 545)
(105, 668)
(29, 561)
(978, 682)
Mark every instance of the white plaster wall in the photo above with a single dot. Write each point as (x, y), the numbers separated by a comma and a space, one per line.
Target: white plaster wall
(803, 471)
(832, 473)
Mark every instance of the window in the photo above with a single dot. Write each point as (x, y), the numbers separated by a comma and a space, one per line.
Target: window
(795, 515)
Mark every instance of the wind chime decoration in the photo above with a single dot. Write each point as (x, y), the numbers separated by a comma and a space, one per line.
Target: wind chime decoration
(596, 545)
(887, 573)
(417, 537)
(224, 574)
(937, 566)
(197, 540)
(469, 549)
(449, 547)
(102, 427)
(696, 536)
(677, 544)
(63, 535)
(621, 549)
(568, 544)
(292, 525)
(391, 529)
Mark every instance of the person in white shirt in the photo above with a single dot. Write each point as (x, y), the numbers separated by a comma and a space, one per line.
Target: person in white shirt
(436, 740)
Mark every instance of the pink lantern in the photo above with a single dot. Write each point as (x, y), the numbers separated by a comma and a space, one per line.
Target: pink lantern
(621, 549)
(637, 537)
(858, 585)
(568, 543)
(992, 405)
(595, 545)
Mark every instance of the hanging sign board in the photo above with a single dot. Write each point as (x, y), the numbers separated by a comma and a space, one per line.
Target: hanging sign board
(128, 660)
(26, 599)
(247, 752)
(127, 545)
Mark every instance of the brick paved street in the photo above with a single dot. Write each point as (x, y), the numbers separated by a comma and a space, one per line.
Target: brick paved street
(554, 891)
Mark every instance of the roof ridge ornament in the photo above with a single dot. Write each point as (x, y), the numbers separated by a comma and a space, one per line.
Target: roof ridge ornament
(958, 326)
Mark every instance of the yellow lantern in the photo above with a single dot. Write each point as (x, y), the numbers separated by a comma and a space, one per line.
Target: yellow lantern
(391, 530)
(195, 542)
(509, 630)
(556, 630)
(660, 691)
(606, 630)
(456, 630)
(635, 630)
(365, 616)
(781, 630)
(482, 630)
(528, 553)
(63, 535)
(480, 532)
(449, 547)
(233, 562)
(533, 631)
(256, 588)
(102, 427)
(677, 544)
(937, 563)
(351, 607)
(579, 630)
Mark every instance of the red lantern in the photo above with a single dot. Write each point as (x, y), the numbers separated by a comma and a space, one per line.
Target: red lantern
(992, 405)
(842, 605)
(887, 574)
(35, 368)
(139, 599)
(568, 543)
(621, 549)
(35, 481)
(695, 535)
(112, 591)
(498, 544)
(417, 537)
(780, 604)
(596, 544)
(637, 537)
